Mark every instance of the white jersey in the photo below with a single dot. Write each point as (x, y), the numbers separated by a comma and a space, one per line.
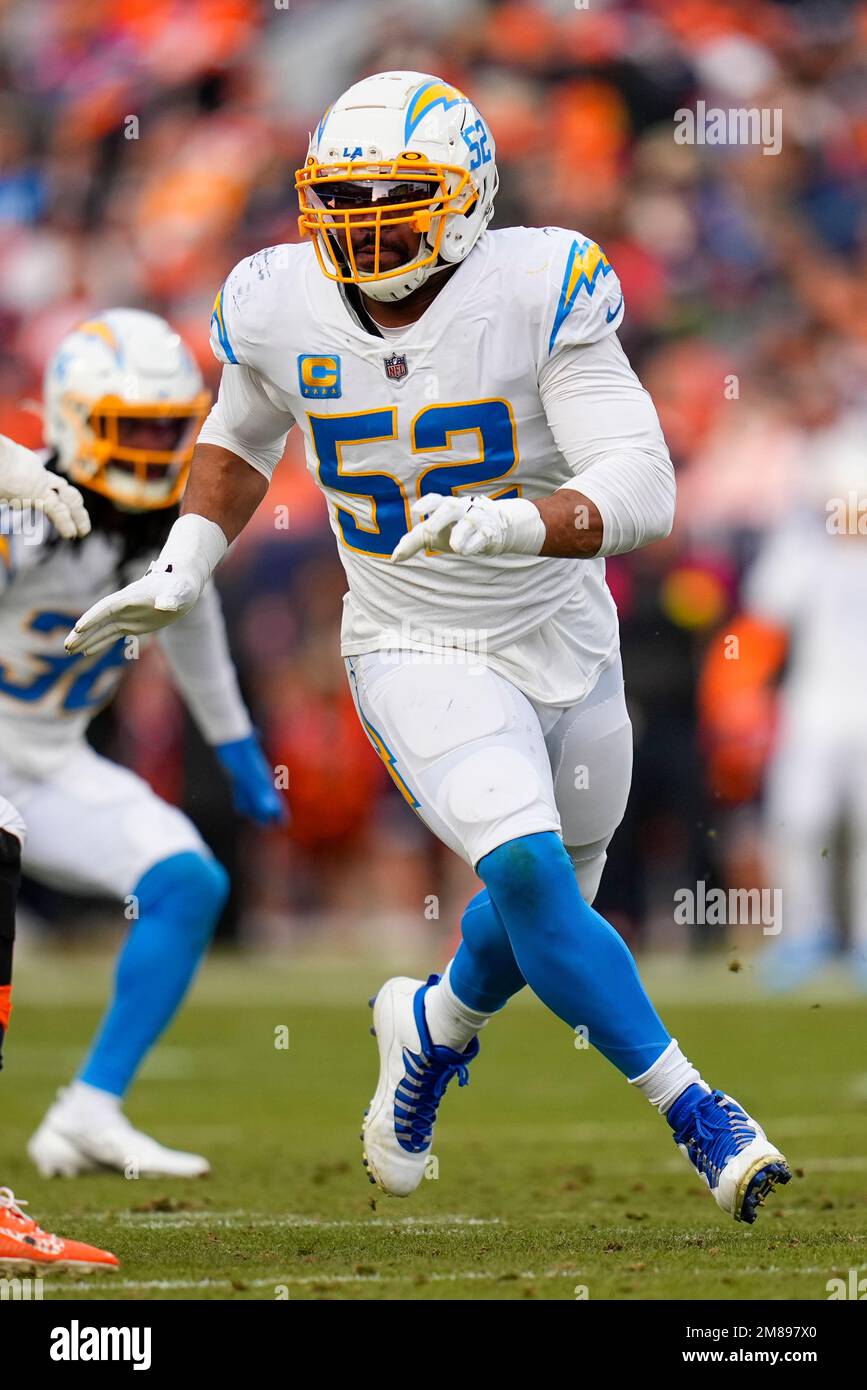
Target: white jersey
(465, 400)
(47, 697)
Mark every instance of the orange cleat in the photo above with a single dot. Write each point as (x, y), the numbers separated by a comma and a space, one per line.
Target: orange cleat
(27, 1249)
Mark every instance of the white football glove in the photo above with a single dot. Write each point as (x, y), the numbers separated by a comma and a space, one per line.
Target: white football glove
(149, 603)
(24, 482)
(168, 590)
(473, 526)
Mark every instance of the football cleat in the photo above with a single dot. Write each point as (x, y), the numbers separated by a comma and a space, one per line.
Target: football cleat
(397, 1132)
(67, 1144)
(728, 1149)
(27, 1249)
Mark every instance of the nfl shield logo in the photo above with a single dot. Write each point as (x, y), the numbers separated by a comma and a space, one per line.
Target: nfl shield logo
(395, 367)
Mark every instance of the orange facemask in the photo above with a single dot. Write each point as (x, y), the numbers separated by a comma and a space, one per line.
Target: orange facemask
(133, 475)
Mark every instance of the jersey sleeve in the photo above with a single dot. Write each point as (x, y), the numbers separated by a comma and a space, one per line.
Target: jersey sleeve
(246, 421)
(584, 298)
(246, 305)
(248, 417)
(230, 340)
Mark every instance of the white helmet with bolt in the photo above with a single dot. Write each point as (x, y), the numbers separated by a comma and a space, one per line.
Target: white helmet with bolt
(399, 148)
(124, 402)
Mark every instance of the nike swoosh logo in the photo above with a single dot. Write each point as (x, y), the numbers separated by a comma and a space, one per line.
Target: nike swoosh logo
(612, 313)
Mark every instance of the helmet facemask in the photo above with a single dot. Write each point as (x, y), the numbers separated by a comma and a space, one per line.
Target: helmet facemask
(138, 456)
(352, 211)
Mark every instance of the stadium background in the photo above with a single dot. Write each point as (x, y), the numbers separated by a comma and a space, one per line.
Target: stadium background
(146, 146)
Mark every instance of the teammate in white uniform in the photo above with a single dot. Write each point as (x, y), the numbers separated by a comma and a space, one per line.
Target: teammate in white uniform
(810, 579)
(123, 403)
(27, 487)
(470, 382)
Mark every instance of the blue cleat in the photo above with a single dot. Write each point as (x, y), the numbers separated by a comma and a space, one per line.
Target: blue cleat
(413, 1076)
(728, 1149)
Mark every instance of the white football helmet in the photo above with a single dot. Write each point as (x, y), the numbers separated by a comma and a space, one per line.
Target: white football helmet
(124, 402)
(399, 148)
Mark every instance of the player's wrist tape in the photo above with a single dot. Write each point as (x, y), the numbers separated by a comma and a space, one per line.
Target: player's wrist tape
(194, 544)
(526, 529)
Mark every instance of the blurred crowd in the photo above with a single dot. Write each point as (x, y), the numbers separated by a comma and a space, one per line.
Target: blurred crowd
(147, 145)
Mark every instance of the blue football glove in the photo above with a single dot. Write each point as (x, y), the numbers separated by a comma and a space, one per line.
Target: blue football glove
(253, 792)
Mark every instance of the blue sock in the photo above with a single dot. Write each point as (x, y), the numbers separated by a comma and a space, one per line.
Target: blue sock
(179, 902)
(484, 973)
(570, 956)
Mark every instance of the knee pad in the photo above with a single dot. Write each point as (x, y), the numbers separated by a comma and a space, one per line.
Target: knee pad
(191, 887)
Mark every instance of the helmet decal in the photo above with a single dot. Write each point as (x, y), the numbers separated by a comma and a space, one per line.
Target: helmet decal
(429, 95)
(321, 125)
(100, 329)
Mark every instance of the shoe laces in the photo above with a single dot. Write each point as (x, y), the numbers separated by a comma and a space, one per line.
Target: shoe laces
(714, 1132)
(36, 1236)
(420, 1091)
(9, 1202)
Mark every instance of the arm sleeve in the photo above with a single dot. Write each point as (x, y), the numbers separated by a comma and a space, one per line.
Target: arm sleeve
(606, 428)
(246, 421)
(197, 650)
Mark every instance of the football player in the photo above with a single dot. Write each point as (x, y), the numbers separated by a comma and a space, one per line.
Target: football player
(483, 444)
(24, 1246)
(809, 584)
(123, 403)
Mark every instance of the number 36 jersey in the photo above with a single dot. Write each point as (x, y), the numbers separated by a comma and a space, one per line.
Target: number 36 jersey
(454, 403)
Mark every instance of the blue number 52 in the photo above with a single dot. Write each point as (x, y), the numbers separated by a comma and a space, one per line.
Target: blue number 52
(432, 431)
(478, 148)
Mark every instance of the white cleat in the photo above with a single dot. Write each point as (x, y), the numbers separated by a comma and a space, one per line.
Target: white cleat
(66, 1145)
(729, 1150)
(413, 1075)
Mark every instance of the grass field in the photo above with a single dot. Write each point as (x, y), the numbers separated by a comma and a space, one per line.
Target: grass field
(553, 1174)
